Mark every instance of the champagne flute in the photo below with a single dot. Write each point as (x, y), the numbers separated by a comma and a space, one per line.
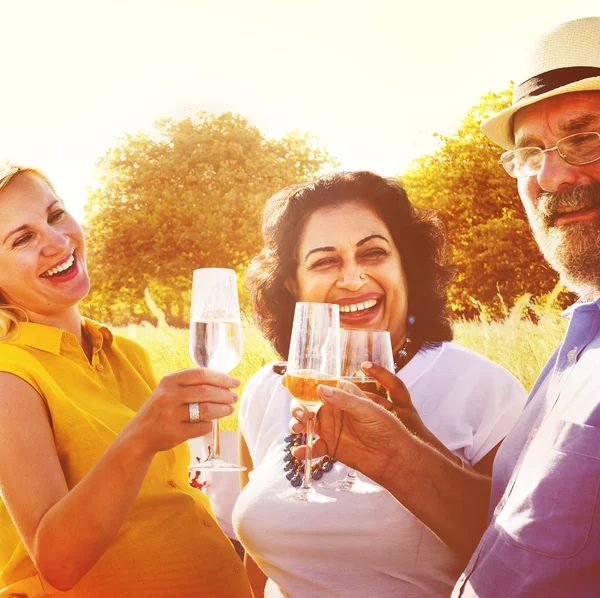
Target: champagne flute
(358, 346)
(215, 339)
(314, 359)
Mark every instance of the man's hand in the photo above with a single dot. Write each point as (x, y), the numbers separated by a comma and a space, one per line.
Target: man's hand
(422, 474)
(355, 430)
(399, 403)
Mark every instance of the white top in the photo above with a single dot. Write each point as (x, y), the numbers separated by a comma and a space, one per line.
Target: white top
(366, 544)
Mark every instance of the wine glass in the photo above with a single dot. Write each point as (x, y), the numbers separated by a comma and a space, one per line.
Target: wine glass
(215, 339)
(314, 359)
(358, 346)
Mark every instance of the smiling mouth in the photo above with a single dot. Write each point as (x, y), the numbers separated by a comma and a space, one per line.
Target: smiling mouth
(573, 214)
(61, 269)
(360, 308)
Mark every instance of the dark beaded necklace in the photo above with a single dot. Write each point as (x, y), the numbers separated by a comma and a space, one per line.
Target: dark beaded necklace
(294, 468)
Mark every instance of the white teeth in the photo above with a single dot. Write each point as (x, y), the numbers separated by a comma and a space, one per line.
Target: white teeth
(358, 306)
(64, 266)
(569, 209)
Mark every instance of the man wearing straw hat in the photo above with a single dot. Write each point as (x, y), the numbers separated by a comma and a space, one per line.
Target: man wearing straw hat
(536, 531)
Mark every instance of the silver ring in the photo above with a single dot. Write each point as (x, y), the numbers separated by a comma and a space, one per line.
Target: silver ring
(362, 276)
(194, 410)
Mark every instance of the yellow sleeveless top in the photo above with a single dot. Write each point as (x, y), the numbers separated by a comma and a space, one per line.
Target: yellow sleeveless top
(170, 544)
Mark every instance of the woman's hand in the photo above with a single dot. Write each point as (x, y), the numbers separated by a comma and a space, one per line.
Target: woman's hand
(399, 398)
(163, 421)
(399, 403)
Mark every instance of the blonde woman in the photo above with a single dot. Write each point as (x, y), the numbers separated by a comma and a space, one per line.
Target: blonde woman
(95, 495)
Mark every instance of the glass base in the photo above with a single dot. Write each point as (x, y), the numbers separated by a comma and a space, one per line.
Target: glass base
(355, 486)
(217, 465)
(304, 495)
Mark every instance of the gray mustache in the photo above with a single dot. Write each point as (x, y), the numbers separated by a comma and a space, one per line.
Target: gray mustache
(581, 196)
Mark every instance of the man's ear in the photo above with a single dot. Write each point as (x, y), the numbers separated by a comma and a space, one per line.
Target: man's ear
(292, 287)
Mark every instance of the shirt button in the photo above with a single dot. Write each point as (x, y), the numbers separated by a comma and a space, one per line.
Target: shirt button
(572, 354)
(237, 567)
(497, 510)
(534, 432)
(99, 367)
(207, 522)
(173, 483)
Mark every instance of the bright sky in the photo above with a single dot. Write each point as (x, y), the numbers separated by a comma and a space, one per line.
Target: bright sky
(372, 79)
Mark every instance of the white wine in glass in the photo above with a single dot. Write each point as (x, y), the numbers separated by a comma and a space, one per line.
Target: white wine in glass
(216, 340)
(314, 358)
(358, 346)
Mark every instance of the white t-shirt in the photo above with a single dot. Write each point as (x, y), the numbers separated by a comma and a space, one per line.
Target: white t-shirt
(366, 544)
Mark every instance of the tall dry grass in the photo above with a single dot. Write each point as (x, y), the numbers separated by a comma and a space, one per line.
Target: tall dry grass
(521, 342)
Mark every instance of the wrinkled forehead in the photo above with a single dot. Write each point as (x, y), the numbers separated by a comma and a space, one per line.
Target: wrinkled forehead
(557, 117)
(351, 218)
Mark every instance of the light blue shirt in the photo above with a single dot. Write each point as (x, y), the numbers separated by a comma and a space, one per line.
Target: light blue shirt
(543, 539)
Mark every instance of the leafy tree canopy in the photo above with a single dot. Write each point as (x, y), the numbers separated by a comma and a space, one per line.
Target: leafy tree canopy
(492, 245)
(188, 196)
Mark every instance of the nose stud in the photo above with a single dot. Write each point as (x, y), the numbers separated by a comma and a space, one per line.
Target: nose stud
(362, 276)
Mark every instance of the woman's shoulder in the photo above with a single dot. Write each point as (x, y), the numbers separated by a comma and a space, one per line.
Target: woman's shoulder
(450, 366)
(8, 348)
(468, 362)
(128, 346)
(264, 380)
(480, 400)
(263, 409)
(20, 361)
(16, 356)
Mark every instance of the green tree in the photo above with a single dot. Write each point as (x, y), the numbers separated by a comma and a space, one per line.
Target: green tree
(188, 196)
(491, 243)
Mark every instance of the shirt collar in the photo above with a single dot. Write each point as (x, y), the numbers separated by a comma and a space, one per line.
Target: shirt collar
(581, 306)
(49, 338)
(99, 334)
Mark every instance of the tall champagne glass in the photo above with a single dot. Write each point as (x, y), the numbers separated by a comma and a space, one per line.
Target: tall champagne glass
(314, 359)
(358, 346)
(215, 339)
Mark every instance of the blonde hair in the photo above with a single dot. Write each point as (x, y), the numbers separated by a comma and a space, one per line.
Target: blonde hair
(10, 315)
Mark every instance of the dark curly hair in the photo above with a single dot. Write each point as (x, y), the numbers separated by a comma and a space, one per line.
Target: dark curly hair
(418, 234)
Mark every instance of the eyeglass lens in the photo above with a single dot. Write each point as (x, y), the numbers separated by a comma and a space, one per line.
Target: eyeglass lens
(578, 149)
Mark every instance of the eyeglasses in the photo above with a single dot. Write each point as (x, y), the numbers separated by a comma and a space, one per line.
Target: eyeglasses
(577, 149)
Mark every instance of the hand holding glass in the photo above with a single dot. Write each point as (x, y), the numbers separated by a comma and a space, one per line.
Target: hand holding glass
(358, 346)
(215, 338)
(314, 359)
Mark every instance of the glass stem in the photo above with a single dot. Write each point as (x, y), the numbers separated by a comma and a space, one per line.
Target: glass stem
(307, 481)
(213, 452)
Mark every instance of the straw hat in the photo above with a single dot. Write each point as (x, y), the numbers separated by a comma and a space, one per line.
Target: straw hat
(566, 59)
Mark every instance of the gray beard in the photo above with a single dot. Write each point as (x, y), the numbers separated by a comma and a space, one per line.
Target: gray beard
(573, 250)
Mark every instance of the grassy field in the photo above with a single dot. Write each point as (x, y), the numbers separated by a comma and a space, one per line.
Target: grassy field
(516, 343)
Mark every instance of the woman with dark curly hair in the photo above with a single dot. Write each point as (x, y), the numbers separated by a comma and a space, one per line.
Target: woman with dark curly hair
(356, 240)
